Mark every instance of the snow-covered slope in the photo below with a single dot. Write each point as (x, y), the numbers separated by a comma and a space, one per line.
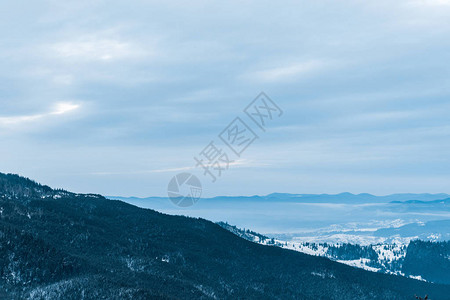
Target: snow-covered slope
(386, 258)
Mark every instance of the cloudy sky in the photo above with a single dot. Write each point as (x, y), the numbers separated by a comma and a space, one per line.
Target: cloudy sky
(116, 97)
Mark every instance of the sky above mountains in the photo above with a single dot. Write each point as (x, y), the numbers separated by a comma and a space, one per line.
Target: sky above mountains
(117, 97)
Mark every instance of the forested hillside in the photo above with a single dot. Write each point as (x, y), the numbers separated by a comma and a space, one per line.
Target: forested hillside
(60, 245)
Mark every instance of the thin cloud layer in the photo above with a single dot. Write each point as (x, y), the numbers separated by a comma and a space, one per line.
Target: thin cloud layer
(363, 85)
(58, 109)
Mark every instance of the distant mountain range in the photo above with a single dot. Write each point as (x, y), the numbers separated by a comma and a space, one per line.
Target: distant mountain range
(60, 245)
(307, 198)
(341, 218)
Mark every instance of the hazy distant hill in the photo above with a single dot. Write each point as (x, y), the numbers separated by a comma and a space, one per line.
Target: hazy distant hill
(60, 245)
(435, 230)
(341, 218)
(303, 198)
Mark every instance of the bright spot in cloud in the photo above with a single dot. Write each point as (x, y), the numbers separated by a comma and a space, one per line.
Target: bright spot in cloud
(63, 107)
(59, 109)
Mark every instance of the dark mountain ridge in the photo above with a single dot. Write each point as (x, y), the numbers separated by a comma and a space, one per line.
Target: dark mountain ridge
(13, 186)
(59, 245)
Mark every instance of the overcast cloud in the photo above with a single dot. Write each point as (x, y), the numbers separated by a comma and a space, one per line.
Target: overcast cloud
(116, 97)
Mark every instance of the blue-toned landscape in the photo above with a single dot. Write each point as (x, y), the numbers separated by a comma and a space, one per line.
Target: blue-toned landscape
(345, 217)
(378, 229)
(56, 244)
(209, 149)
